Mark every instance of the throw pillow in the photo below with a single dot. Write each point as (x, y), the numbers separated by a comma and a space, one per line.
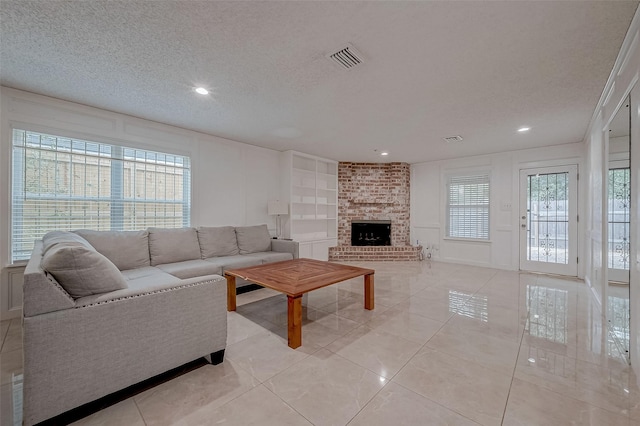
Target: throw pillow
(52, 238)
(82, 271)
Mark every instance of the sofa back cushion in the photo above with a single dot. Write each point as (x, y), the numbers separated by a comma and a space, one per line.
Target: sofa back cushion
(79, 268)
(126, 249)
(217, 241)
(173, 245)
(253, 239)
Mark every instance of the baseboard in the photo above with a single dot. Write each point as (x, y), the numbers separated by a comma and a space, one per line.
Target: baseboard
(11, 314)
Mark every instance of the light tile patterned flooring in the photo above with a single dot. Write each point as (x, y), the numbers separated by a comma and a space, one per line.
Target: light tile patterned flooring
(446, 345)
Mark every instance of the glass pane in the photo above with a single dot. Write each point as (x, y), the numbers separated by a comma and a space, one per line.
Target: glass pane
(548, 218)
(619, 214)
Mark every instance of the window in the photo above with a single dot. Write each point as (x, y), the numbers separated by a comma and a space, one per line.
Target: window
(62, 183)
(468, 207)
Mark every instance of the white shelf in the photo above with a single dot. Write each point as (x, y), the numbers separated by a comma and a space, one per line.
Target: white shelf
(310, 184)
(304, 171)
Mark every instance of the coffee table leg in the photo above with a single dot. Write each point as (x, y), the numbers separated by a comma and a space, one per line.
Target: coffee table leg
(294, 324)
(368, 292)
(231, 293)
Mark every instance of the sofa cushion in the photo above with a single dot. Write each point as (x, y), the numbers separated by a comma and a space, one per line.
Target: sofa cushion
(126, 249)
(173, 245)
(82, 271)
(271, 256)
(217, 241)
(191, 268)
(62, 237)
(253, 239)
(144, 286)
(148, 276)
(234, 262)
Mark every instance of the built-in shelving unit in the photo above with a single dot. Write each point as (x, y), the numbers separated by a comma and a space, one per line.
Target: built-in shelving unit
(310, 186)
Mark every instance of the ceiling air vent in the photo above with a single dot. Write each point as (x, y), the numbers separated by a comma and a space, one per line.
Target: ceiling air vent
(346, 58)
(450, 139)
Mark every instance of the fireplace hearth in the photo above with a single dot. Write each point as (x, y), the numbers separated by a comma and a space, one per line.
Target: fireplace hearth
(370, 232)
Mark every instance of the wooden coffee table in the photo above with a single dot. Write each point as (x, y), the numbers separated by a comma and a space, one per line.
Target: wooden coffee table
(295, 278)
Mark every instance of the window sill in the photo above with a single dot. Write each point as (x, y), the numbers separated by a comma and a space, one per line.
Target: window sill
(467, 240)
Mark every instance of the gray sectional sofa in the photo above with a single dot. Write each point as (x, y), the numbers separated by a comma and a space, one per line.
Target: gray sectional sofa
(106, 310)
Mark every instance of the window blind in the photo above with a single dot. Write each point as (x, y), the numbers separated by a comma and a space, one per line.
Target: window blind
(62, 183)
(468, 207)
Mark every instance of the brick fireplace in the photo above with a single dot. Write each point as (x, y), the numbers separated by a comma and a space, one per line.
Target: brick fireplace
(374, 192)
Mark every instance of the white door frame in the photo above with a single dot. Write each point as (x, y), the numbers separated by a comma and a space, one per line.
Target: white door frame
(571, 267)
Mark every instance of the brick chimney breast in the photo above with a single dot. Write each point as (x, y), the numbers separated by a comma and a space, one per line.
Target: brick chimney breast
(374, 191)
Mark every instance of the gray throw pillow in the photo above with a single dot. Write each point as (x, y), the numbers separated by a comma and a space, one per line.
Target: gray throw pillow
(173, 245)
(82, 271)
(253, 239)
(52, 238)
(217, 241)
(126, 249)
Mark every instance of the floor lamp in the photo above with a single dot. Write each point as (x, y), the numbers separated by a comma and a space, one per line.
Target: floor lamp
(277, 208)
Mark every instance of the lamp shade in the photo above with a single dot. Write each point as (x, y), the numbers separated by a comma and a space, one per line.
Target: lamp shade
(277, 207)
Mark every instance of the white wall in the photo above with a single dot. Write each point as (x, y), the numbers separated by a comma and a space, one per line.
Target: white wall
(622, 81)
(231, 181)
(428, 202)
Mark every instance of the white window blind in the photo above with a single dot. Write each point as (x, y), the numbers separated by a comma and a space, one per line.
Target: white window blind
(468, 207)
(62, 183)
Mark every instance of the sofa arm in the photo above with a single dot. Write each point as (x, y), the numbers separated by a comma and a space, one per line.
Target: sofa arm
(75, 356)
(41, 292)
(286, 246)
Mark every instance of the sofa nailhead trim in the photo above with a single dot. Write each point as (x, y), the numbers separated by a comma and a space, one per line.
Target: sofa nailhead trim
(58, 286)
(134, 296)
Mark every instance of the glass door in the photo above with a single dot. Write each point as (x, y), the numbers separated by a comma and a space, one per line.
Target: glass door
(619, 210)
(619, 207)
(548, 220)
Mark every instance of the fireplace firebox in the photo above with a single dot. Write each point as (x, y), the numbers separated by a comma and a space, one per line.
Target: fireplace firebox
(370, 232)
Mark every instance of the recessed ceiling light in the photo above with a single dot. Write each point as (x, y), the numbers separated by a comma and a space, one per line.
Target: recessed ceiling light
(524, 129)
(202, 91)
(384, 153)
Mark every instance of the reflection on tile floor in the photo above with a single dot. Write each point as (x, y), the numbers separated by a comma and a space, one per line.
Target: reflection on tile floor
(446, 344)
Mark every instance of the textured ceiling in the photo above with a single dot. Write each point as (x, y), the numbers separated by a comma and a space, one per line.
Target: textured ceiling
(431, 69)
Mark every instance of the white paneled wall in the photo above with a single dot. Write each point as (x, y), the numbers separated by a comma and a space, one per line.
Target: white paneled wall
(231, 181)
(428, 203)
(11, 297)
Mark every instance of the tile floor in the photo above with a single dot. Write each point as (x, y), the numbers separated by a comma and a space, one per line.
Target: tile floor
(445, 345)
